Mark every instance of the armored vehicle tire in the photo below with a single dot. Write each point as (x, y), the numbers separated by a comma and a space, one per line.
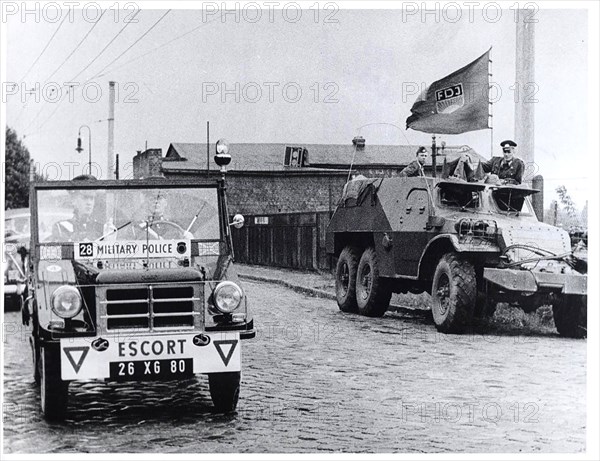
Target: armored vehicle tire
(372, 293)
(224, 390)
(54, 392)
(453, 293)
(570, 316)
(345, 279)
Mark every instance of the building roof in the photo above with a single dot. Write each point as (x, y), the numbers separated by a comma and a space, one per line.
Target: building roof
(269, 157)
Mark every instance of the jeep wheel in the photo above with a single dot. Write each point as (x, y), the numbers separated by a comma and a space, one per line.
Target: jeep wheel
(37, 361)
(570, 316)
(345, 279)
(54, 392)
(453, 294)
(224, 390)
(372, 293)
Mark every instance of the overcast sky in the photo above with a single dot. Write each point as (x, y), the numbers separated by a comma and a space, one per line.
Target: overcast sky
(353, 68)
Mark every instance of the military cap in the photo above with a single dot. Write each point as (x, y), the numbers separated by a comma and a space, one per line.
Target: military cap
(508, 142)
(85, 177)
(421, 149)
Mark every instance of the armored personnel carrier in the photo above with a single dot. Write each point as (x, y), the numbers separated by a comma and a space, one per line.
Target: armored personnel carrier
(470, 245)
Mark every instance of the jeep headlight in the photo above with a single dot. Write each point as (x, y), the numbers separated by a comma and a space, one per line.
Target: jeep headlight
(227, 296)
(66, 301)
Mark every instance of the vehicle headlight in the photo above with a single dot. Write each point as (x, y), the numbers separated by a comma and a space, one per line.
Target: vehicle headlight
(66, 301)
(227, 297)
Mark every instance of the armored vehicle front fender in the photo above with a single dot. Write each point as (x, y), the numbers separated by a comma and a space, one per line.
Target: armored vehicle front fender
(445, 243)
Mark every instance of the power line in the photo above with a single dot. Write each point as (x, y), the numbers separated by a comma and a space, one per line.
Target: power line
(114, 60)
(76, 47)
(45, 48)
(159, 46)
(131, 46)
(83, 70)
(104, 49)
(24, 106)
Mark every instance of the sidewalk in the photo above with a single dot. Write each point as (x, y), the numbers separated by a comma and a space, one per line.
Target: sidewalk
(319, 284)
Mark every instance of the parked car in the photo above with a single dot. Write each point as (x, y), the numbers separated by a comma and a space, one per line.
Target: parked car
(16, 245)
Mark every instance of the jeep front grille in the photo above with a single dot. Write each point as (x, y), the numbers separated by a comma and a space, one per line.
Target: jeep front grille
(150, 307)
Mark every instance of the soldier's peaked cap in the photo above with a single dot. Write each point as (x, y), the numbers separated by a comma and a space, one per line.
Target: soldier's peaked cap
(508, 142)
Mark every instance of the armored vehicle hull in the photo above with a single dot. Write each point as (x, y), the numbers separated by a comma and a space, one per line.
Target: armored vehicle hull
(470, 245)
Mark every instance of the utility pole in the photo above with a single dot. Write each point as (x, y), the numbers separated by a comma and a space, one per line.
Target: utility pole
(525, 88)
(110, 174)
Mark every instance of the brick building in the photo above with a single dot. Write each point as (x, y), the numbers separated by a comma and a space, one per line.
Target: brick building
(287, 208)
(260, 183)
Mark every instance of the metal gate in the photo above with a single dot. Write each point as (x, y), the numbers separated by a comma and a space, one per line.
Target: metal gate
(293, 240)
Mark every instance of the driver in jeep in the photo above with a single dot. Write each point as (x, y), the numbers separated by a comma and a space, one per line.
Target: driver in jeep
(154, 220)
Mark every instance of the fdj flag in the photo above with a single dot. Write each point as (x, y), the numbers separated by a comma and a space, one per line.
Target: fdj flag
(456, 103)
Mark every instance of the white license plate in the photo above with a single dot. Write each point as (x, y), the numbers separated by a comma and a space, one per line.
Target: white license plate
(168, 356)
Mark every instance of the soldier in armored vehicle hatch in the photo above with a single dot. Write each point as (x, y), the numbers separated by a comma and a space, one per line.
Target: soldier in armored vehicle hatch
(415, 168)
(508, 168)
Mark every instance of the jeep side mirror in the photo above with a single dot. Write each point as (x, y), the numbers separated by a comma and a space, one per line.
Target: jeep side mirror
(238, 221)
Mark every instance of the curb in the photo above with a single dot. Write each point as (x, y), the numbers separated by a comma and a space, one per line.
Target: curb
(313, 291)
(297, 288)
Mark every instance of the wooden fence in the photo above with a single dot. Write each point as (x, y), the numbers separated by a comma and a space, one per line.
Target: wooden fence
(294, 240)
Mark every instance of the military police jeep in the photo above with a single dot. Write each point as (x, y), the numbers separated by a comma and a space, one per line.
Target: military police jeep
(469, 244)
(154, 297)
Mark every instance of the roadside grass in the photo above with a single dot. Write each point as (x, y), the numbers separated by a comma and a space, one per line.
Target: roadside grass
(506, 320)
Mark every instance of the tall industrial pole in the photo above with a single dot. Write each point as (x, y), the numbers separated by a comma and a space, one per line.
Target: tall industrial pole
(110, 164)
(525, 88)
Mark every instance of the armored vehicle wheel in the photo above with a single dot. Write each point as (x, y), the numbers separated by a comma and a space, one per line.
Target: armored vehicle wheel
(224, 390)
(372, 293)
(54, 391)
(570, 316)
(345, 279)
(453, 293)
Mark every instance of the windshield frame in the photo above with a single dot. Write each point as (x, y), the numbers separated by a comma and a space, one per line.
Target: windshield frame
(527, 208)
(135, 184)
(478, 190)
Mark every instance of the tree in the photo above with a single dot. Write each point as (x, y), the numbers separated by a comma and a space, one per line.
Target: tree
(16, 172)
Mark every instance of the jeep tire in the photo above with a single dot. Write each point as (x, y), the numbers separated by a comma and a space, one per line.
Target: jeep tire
(453, 294)
(54, 391)
(570, 316)
(345, 279)
(36, 360)
(372, 292)
(224, 390)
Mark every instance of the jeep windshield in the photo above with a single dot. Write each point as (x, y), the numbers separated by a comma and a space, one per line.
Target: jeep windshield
(106, 214)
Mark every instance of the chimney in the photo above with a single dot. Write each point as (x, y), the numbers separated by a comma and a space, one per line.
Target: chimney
(359, 142)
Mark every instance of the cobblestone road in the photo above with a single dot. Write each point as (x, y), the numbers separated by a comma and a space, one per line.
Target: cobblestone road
(316, 379)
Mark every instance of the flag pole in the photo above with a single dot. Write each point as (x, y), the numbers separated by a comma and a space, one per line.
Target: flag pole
(433, 156)
(491, 114)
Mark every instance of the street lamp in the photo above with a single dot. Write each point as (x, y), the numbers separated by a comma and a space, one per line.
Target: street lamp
(80, 149)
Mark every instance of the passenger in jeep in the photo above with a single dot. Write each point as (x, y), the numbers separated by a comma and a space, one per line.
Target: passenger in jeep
(83, 225)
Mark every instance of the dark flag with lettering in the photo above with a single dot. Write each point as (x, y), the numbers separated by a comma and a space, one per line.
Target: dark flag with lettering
(455, 104)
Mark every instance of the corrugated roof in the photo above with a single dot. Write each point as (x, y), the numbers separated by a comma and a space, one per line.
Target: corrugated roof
(269, 157)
